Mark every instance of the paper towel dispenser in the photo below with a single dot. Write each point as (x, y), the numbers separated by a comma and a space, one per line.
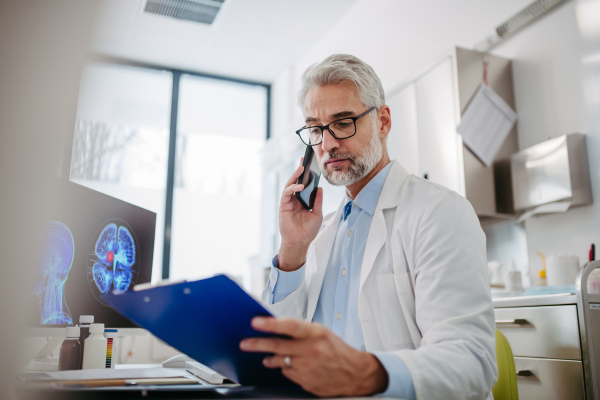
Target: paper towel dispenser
(554, 170)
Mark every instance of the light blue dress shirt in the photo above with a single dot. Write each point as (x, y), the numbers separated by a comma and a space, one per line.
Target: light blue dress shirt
(337, 307)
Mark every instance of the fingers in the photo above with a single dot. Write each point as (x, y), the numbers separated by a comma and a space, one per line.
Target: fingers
(271, 345)
(318, 206)
(275, 362)
(295, 175)
(287, 326)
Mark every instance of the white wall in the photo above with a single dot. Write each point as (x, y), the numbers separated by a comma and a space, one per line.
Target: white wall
(550, 81)
(399, 39)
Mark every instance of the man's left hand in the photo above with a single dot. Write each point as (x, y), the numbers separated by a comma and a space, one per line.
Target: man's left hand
(320, 361)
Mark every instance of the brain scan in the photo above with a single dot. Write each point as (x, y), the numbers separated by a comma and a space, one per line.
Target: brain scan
(113, 259)
(52, 272)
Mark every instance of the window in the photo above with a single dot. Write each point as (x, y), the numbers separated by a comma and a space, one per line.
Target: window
(121, 146)
(216, 203)
(121, 139)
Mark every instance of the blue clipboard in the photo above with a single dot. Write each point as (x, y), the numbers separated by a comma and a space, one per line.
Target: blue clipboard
(205, 320)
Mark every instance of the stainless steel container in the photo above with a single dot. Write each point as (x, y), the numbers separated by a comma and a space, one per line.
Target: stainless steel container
(554, 170)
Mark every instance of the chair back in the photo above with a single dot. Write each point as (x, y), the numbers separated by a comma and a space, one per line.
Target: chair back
(506, 386)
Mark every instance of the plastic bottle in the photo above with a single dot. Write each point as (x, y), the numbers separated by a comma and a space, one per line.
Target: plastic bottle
(94, 349)
(542, 273)
(111, 347)
(84, 327)
(515, 282)
(542, 278)
(70, 350)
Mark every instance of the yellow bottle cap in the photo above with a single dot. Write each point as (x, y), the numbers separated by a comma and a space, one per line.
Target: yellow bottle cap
(542, 273)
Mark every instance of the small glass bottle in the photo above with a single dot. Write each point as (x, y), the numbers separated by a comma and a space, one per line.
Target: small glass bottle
(70, 350)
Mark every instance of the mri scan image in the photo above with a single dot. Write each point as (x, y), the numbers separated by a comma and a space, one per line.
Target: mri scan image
(113, 259)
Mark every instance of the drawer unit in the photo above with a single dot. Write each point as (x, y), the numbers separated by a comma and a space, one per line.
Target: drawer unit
(546, 379)
(545, 332)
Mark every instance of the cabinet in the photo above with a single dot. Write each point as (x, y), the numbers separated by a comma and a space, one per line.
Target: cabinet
(425, 114)
(544, 335)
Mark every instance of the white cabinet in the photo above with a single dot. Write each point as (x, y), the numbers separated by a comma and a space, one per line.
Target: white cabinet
(403, 139)
(423, 135)
(436, 120)
(425, 113)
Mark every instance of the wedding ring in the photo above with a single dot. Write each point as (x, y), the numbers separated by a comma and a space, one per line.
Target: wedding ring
(287, 361)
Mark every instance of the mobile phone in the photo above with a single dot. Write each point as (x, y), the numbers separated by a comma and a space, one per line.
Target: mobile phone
(309, 178)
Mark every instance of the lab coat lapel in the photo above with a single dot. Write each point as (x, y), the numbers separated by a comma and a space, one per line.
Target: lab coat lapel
(389, 197)
(323, 245)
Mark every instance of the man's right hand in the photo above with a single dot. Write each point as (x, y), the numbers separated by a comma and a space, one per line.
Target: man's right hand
(297, 225)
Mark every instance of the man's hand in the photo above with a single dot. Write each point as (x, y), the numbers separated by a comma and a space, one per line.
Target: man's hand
(320, 361)
(297, 225)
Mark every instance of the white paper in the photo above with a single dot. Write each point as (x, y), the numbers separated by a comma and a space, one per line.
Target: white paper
(108, 373)
(559, 206)
(485, 124)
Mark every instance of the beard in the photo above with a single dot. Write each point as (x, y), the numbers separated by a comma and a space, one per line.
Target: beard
(360, 165)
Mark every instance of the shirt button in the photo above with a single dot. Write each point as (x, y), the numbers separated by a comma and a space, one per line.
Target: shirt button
(338, 316)
(350, 233)
(343, 272)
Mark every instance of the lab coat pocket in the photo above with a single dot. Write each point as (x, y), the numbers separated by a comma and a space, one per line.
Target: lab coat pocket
(393, 319)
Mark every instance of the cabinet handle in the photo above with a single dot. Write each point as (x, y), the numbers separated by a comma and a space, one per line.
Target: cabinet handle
(518, 321)
(524, 372)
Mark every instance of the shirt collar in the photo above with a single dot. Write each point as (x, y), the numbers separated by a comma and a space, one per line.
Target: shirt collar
(369, 195)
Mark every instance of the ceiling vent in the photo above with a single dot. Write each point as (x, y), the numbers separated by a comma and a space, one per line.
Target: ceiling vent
(202, 11)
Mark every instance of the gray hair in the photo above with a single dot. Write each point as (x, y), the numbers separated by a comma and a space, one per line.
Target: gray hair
(339, 68)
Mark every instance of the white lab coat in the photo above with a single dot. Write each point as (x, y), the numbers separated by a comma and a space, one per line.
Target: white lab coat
(424, 292)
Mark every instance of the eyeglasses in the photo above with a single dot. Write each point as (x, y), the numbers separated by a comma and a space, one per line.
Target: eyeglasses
(341, 129)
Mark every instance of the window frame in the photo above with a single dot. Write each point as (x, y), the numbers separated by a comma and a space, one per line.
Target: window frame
(170, 185)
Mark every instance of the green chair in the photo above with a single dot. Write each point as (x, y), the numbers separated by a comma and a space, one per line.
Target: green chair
(506, 386)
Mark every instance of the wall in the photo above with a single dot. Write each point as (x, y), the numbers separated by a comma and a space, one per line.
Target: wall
(400, 39)
(42, 47)
(550, 81)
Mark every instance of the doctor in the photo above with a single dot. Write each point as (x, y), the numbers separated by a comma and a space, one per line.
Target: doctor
(389, 294)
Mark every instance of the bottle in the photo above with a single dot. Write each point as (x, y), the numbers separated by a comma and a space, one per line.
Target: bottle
(70, 351)
(542, 278)
(84, 328)
(542, 272)
(497, 280)
(515, 283)
(111, 347)
(94, 348)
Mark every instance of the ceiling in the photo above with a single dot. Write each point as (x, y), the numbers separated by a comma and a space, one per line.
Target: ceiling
(249, 39)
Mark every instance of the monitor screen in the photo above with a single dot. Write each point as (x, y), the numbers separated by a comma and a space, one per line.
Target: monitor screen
(93, 244)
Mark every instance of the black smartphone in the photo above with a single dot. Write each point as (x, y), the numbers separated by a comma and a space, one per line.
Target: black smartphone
(309, 178)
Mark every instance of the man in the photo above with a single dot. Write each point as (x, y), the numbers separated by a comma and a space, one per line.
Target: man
(388, 295)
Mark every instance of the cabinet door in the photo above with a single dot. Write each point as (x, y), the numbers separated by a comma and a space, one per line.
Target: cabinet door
(403, 139)
(436, 121)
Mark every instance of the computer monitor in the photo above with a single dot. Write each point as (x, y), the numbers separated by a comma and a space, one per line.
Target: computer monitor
(93, 244)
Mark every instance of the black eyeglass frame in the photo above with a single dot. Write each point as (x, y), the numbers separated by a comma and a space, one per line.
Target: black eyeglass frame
(354, 119)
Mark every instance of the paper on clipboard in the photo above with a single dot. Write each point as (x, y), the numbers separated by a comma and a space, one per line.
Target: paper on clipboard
(485, 124)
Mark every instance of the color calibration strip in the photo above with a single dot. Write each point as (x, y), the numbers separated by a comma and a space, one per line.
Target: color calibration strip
(109, 352)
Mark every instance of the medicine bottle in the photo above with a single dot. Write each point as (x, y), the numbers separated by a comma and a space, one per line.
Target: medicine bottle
(84, 327)
(70, 350)
(94, 348)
